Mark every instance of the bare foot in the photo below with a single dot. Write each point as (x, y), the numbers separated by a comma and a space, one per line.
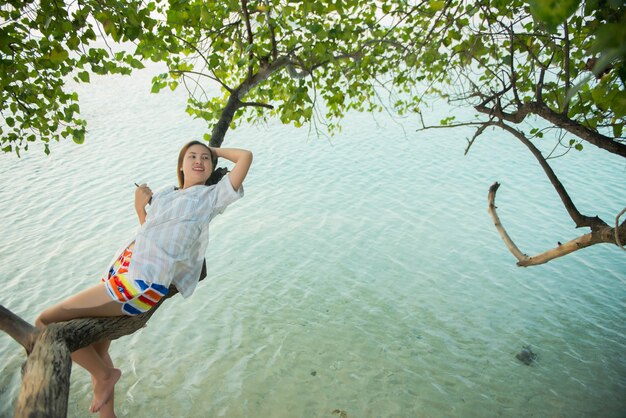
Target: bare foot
(103, 390)
(107, 410)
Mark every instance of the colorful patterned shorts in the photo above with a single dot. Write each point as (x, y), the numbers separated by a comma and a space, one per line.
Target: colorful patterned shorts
(136, 296)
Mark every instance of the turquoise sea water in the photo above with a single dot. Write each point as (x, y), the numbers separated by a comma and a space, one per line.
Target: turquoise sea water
(360, 274)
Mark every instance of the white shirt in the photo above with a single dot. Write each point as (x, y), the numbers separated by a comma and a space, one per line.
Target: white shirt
(171, 243)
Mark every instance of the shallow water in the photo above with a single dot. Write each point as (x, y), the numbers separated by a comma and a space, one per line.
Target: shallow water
(360, 273)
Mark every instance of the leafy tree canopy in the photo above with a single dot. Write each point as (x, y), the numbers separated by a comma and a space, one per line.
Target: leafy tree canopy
(44, 43)
(300, 61)
(311, 62)
(562, 61)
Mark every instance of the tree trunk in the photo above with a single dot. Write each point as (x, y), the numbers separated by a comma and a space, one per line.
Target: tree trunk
(46, 373)
(46, 378)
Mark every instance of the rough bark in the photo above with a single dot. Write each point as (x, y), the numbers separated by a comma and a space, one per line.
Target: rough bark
(46, 378)
(46, 373)
(236, 96)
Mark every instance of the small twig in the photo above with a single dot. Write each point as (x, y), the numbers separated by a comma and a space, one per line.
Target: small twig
(566, 68)
(270, 25)
(246, 15)
(257, 104)
(478, 132)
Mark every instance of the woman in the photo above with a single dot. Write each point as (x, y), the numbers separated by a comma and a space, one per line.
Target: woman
(168, 248)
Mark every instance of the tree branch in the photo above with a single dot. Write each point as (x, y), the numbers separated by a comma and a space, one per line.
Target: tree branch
(566, 69)
(601, 141)
(617, 228)
(246, 16)
(496, 220)
(600, 235)
(206, 62)
(256, 104)
(270, 25)
(579, 219)
(46, 373)
(478, 132)
(203, 75)
(20, 330)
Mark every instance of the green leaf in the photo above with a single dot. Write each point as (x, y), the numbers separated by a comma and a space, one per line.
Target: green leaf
(618, 104)
(553, 12)
(84, 76)
(437, 5)
(156, 87)
(58, 55)
(78, 135)
(135, 63)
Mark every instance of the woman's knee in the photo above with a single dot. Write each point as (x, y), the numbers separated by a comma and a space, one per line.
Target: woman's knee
(39, 322)
(45, 318)
(48, 316)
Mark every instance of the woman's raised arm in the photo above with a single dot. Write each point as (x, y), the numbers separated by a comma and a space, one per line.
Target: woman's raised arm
(242, 159)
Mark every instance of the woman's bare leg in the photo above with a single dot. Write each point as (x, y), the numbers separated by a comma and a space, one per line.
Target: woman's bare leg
(102, 349)
(94, 301)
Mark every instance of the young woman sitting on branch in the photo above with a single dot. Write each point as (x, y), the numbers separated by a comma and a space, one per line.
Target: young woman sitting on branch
(168, 248)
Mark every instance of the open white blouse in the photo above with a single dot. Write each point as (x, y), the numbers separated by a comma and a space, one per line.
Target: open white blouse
(171, 243)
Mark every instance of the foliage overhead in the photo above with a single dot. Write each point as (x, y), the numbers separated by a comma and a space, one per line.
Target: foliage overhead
(561, 61)
(311, 61)
(300, 61)
(44, 43)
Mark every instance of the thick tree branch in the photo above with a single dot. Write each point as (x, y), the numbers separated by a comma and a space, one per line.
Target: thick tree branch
(601, 141)
(20, 330)
(235, 99)
(46, 373)
(596, 236)
(496, 220)
(579, 219)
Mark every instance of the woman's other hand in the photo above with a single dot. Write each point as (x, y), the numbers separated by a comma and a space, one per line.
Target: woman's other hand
(143, 194)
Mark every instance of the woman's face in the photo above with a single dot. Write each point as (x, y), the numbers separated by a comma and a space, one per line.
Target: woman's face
(197, 165)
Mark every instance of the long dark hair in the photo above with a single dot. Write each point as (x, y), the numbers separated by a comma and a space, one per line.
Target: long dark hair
(216, 174)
